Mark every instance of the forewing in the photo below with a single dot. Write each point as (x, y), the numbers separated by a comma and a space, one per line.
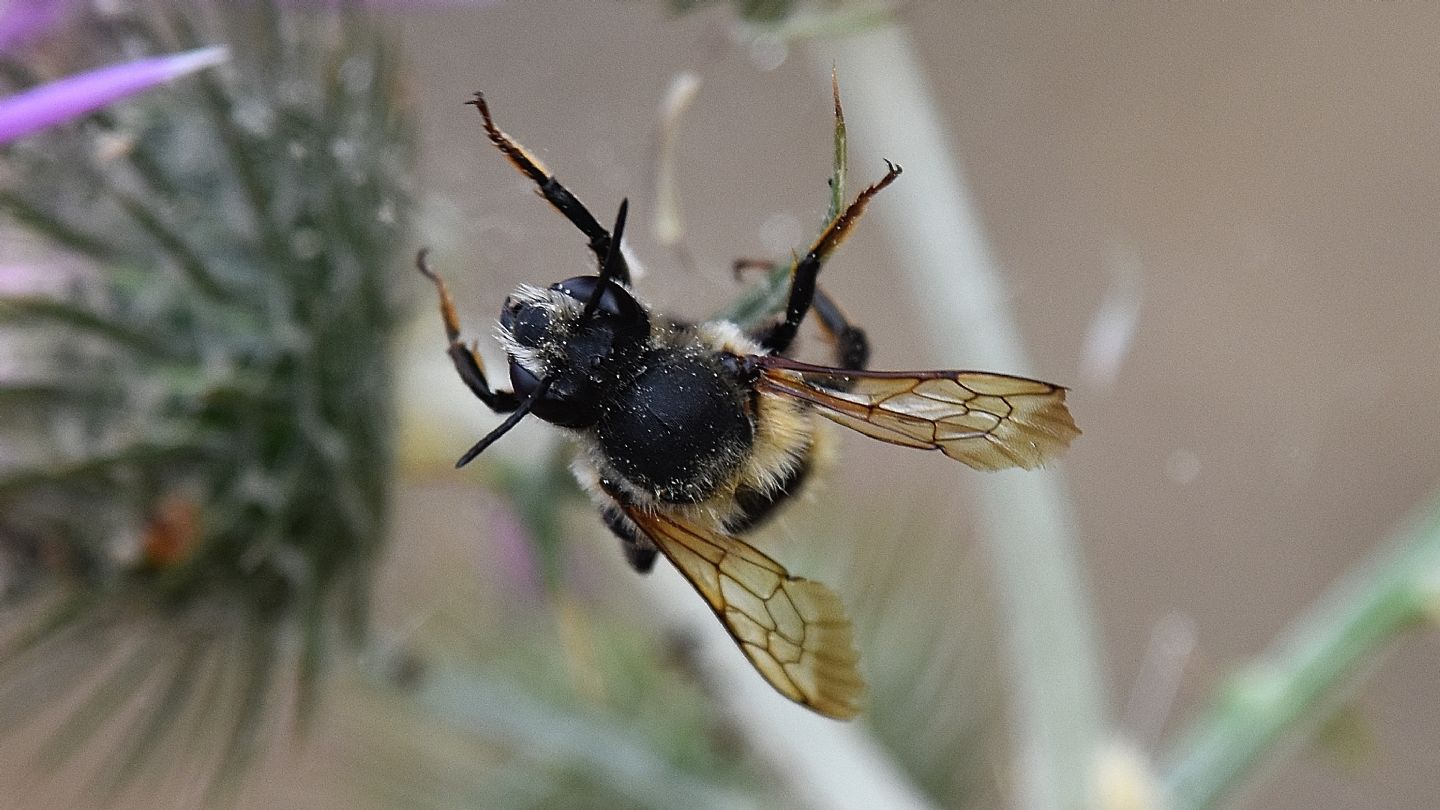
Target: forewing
(988, 421)
(793, 630)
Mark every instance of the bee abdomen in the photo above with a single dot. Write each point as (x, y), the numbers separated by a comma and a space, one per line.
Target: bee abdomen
(680, 430)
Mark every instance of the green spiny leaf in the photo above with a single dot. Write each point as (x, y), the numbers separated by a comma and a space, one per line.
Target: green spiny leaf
(258, 673)
(18, 481)
(53, 227)
(185, 256)
(35, 309)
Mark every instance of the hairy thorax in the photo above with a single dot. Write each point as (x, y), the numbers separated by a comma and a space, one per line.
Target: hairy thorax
(688, 435)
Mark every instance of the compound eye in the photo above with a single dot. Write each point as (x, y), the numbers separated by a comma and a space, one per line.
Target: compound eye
(615, 301)
(562, 405)
(528, 324)
(522, 380)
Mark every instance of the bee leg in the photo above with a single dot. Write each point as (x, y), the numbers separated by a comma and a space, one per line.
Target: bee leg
(467, 363)
(553, 192)
(802, 281)
(851, 346)
(639, 550)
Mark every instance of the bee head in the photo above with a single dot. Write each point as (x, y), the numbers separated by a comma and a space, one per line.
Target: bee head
(569, 344)
(548, 334)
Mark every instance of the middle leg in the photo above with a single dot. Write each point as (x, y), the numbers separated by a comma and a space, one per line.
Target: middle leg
(851, 346)
(639, 550)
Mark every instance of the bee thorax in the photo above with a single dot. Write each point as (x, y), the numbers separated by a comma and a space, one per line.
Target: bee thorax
(680, 430)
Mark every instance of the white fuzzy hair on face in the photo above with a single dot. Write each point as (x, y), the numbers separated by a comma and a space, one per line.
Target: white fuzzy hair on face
(564, 311)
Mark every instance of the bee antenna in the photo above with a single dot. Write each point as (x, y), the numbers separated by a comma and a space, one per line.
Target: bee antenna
(614, 260)
(609, 268)
(510, 421)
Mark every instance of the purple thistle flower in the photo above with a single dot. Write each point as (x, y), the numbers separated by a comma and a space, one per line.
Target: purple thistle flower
(75, 96)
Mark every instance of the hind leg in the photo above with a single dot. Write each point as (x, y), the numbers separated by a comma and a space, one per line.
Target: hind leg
(849, 344)
(639, 550)
(778, 337)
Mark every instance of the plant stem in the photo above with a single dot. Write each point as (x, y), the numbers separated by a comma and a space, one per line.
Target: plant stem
(1287, 692)
(822, 763)
(826, 765)
(1053, 655)
(532, 730)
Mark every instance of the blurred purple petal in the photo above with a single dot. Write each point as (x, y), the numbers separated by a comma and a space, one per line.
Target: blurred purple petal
(75, 96)
(17, 279)
(49, 277)
(515, 556)
(24, 21)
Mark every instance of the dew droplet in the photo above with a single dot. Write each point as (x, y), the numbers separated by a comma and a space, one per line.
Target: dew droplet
(255, 117)
(768, 52)
(1182, 467)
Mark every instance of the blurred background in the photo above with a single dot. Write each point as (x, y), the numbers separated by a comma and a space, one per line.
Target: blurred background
(1216, 225)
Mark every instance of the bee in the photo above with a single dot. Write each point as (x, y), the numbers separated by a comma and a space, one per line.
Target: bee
(688, 435)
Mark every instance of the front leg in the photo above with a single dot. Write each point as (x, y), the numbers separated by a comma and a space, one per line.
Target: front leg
(467, 363)
(553, 191)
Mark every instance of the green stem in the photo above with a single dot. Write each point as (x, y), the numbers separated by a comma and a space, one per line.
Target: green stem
(106, 699)
(243, 743)
(536, 732)
(164, 707)
(821, 763)
(1287, 691)
(1058, 698)
(824, 764)
(767, 299)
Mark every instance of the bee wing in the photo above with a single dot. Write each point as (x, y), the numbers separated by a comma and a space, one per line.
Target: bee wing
(793, 630)
(988, 421)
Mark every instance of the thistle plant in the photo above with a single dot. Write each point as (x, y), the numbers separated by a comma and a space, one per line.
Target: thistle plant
(196, 426)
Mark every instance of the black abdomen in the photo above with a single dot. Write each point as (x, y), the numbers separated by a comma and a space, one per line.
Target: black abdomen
(679, 431)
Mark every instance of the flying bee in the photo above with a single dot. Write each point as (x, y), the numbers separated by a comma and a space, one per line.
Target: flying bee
(688, 435)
